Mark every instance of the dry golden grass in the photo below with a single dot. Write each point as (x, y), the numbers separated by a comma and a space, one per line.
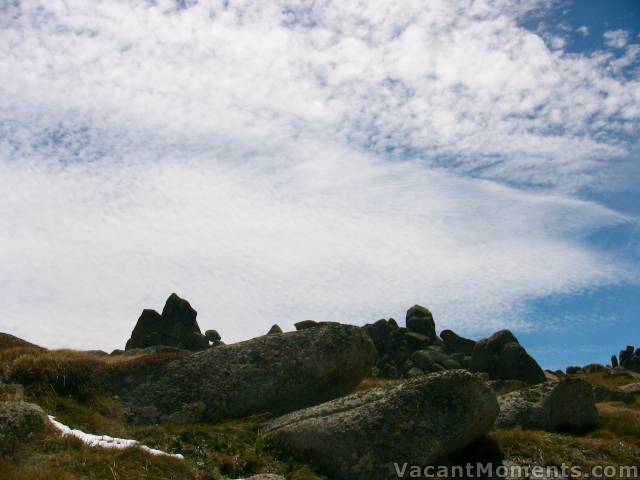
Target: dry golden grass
(608, 379)
(51, 457)
(616, 442)
(73, 386)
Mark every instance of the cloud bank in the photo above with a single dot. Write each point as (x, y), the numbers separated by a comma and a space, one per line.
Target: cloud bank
(275, 161)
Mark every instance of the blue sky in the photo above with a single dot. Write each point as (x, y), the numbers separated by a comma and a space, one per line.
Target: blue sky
(599, 319)
(276, 161)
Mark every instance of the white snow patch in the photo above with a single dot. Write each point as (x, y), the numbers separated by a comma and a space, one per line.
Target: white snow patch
(105, 441)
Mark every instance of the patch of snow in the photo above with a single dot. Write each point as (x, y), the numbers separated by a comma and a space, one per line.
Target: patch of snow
(105, 441)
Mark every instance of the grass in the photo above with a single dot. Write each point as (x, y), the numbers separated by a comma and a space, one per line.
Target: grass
(52, 457)
(607, 379)
(72, 386)
(615, 442)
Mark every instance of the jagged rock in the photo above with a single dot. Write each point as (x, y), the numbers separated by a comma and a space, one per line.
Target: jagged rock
(503, 358)
(19, 421)
(457, 344)
(271, 373)
(420, 320)
(419, 421)
(213, 336)
(567, 405)
(175, 327)
(305, 324)
(274, 330)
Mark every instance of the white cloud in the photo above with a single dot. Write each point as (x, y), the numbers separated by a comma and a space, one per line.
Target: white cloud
(584, 30)
(558, 43)
(273, 161)
(616, 38)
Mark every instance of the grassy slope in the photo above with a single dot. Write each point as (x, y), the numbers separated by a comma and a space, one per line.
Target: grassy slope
(69, 384)
(615, 442)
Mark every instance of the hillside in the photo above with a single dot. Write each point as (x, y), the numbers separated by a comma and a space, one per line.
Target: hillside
(224, 410)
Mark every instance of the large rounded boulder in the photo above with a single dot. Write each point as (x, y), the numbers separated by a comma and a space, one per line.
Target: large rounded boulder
(271, 373)
(365, 435)
(567, 405)
(19, 422)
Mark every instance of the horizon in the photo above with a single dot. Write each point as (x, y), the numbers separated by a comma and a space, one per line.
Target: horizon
(274, 162)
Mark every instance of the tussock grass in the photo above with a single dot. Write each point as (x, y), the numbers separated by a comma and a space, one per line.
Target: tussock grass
(608, 379)
(68, 373)
(616, 442)
(74, 387)
(52, 457)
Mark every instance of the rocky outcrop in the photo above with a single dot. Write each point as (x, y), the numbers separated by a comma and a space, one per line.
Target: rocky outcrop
(457, 344)
(503, 358)
(175, 327)
(19, 421)
(567, 405)
(629, 359)
(419, 421)
(271, 373)
(214, 337)
(305, 324)
(398, 347)
(420, 320)
(275, 329)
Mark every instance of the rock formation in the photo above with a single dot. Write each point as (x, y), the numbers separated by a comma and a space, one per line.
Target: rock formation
(503, 358)
(271, 373)
(359, 437)
(19, 421)
(420, 320)
(567, 405)
(175, 327)
(629, 359)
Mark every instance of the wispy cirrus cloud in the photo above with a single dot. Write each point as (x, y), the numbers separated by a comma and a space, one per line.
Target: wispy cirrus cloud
(279, 160)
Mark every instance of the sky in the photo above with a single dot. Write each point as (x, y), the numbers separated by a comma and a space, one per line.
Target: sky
(274, 161)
